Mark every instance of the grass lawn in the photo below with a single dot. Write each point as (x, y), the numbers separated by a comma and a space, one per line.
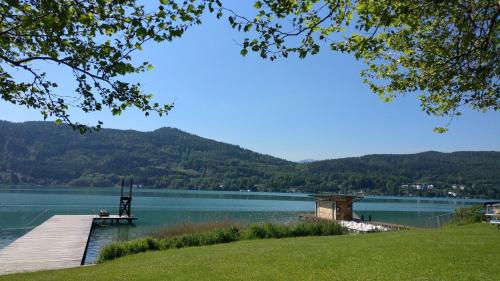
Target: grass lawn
(470, 252)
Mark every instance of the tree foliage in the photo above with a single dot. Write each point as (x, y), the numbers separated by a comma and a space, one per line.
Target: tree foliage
(447, 52)
(93, 40)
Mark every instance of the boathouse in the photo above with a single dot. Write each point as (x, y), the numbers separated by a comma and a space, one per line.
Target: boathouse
(334, 206)
(492, 213)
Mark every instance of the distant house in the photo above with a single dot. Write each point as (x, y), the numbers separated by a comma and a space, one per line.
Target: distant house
(417, 186)
(458, 186)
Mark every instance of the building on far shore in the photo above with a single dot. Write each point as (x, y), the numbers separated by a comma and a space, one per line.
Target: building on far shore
(417, 186)
(335, 207)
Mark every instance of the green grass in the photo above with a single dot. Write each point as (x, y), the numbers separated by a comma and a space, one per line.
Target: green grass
(469, 252)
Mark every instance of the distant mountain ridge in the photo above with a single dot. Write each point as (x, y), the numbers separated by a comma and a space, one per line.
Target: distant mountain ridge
(46, 154)
(306, 161)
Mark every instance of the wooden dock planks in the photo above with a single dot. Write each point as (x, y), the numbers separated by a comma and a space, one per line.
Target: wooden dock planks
(59, 242)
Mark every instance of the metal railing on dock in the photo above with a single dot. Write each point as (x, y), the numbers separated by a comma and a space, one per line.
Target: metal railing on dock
(390, 226)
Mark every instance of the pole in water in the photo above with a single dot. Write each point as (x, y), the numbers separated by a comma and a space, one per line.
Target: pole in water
(121, 193)
(130, 200)
(126, 202)
(130, 190)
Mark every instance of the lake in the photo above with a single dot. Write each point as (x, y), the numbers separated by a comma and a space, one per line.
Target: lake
(22, 208)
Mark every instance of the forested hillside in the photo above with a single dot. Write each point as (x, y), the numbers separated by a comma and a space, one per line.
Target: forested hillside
(478, 173)
(46, 154)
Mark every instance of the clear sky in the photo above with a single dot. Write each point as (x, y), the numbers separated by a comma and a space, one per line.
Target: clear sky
(294, 109)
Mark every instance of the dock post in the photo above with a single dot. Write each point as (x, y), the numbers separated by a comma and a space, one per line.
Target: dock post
(126, 203)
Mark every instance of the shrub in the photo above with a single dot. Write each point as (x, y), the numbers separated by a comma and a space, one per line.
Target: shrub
(110, 252)
(119, 249)
(468, 215)
(153, 244)
(228, 235)
(317, 228)
(267, 230)
(254, 232)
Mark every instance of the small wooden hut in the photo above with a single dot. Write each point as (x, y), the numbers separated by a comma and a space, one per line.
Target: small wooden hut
(334, 206)
(492, 212)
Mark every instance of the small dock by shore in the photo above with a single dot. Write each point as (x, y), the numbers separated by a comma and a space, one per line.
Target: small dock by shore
(375, 224)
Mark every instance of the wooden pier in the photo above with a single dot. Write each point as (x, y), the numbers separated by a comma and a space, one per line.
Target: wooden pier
(59, 242)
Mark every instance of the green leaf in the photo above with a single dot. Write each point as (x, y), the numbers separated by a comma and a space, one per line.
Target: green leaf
(142, 32)
(247, 27)
(440, 130)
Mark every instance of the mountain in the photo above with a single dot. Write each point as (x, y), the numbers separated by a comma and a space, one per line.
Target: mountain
(46, 154)
(306, 161)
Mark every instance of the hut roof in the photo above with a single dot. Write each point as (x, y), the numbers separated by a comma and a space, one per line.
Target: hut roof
(336, 197)
(492, 203)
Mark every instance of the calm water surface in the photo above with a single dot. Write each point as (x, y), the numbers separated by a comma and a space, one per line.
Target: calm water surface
(22, 208)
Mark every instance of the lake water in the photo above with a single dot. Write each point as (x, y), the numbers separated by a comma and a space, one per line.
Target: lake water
(22, 208)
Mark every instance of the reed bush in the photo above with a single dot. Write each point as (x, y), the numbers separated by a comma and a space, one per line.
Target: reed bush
(223, 234)
(468, 215)
(265, 231)
(190, 227)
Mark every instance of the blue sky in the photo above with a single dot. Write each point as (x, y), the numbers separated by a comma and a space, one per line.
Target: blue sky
(294, 109)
